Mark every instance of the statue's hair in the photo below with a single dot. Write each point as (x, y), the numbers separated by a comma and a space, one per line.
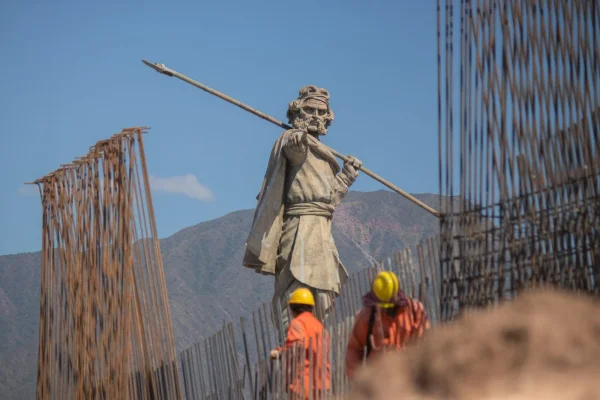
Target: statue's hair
(306, 93)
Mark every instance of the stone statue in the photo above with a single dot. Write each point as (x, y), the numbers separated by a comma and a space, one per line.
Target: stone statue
(291, 231)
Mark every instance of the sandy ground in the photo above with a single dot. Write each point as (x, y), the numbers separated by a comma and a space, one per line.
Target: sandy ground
(543, 345)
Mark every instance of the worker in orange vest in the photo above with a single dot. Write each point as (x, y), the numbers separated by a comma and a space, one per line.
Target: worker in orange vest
(388, 320)
(307, 331)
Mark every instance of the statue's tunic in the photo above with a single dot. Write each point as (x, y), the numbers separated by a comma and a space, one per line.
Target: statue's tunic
(291, 231)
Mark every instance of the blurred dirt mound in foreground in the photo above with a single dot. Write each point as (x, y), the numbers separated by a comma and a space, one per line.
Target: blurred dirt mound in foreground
(543, 345)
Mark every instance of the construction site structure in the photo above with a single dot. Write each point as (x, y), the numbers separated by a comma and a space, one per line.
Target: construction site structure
(518, 111)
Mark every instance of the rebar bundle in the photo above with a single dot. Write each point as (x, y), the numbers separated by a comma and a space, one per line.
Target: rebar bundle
(519, 100)
(105, 326)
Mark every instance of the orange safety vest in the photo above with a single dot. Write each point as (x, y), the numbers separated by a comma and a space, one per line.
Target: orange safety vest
(408, 323)
(302, 328)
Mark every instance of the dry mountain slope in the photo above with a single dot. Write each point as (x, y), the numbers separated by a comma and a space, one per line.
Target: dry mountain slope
(205, 279)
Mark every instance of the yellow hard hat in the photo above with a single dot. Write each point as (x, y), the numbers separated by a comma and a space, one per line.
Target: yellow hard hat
(385, 286)
(302, 296)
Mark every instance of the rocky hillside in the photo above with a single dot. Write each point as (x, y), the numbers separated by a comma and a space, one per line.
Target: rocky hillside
(205, 279)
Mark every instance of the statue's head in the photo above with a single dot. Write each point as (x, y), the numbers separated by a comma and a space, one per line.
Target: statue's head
(311, 110)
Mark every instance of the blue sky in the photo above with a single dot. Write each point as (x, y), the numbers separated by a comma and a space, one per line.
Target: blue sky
(72, 75)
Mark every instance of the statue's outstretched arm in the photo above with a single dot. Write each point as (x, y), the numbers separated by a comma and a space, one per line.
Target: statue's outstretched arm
(296, 146)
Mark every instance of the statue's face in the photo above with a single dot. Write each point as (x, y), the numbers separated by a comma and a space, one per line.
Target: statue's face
(312, 117)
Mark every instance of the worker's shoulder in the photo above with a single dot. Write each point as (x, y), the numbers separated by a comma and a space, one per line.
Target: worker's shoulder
(299, 321)
(362, 316)
(307, 317)
(364, 312)
(415, 306)
(307, 321)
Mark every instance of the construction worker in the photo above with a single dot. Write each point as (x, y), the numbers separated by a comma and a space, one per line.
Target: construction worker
(306, 331)
(388, 320)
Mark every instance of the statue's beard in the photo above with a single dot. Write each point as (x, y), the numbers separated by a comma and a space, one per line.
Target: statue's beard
(315, 126)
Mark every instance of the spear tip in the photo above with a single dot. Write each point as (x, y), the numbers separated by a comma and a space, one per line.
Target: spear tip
(161, 68)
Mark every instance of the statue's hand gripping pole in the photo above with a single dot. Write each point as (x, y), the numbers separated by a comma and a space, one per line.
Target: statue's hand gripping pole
(163, 69)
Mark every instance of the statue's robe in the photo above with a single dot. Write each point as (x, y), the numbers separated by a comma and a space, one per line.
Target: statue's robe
(291, 230)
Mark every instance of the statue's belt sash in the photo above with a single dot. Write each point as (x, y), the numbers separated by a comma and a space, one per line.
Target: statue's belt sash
(313, 208)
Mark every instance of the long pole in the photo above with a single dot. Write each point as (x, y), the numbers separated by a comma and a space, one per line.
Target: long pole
(163, 69)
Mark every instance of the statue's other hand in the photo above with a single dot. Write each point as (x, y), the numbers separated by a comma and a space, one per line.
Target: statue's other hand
(356, 163)
(352, 167)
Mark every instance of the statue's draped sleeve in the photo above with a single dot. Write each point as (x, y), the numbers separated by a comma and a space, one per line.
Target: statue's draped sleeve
(263, 240)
